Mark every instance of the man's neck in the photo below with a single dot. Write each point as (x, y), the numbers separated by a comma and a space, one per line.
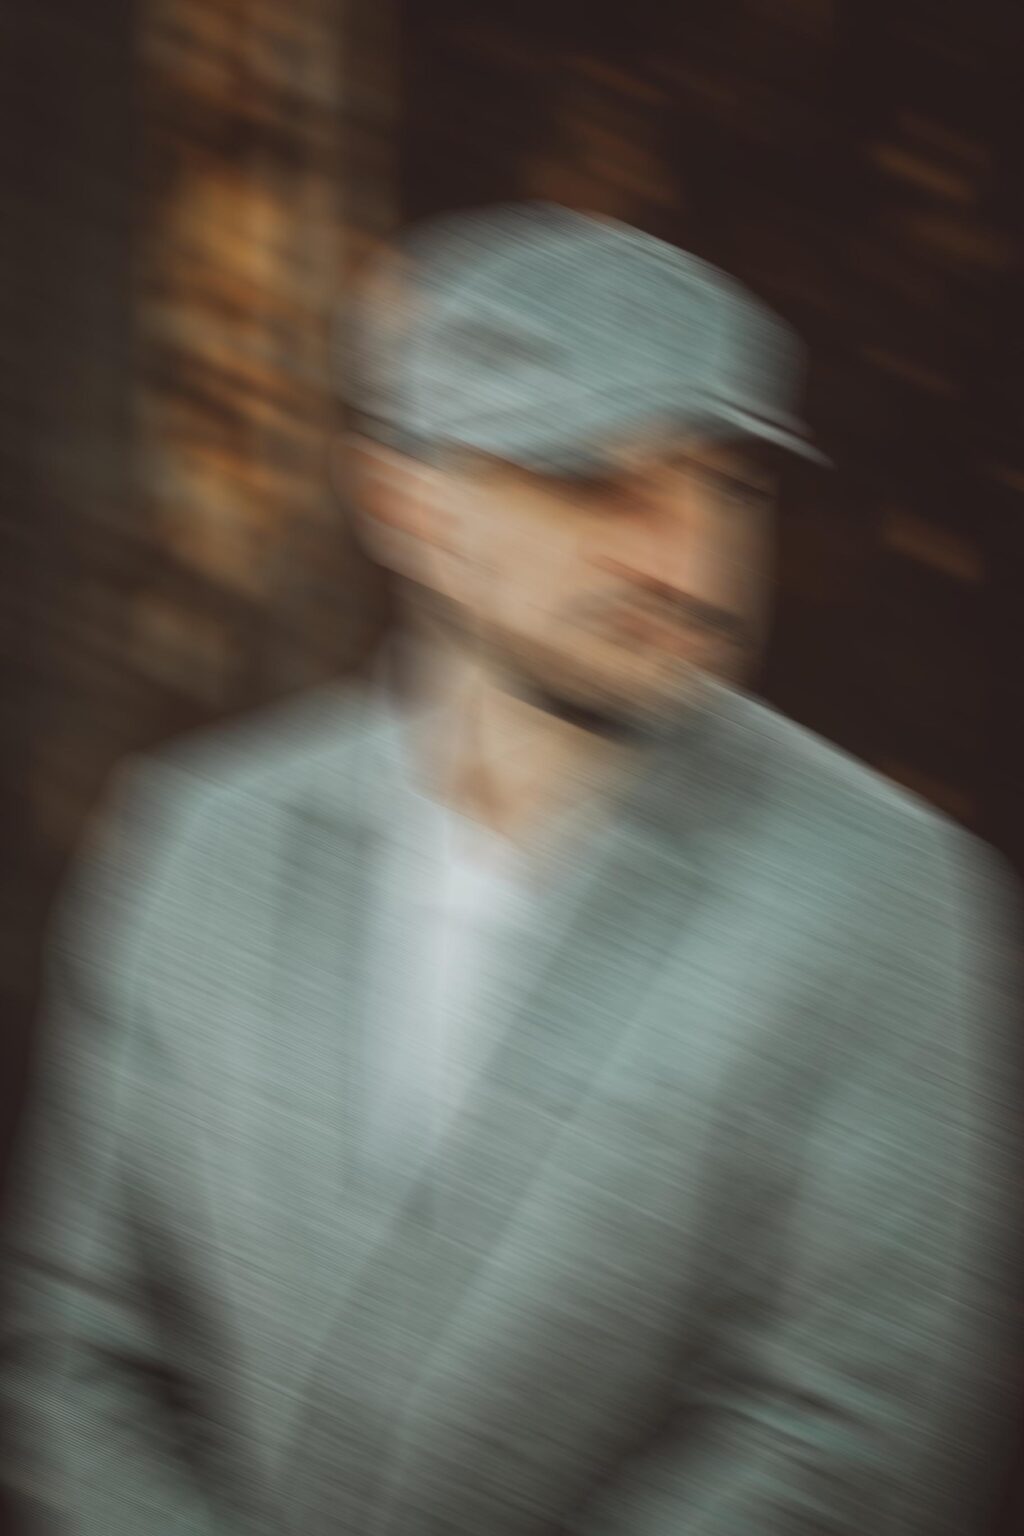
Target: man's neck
(498, 759)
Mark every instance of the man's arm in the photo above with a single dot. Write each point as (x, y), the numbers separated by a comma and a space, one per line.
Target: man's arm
(874, 1392)
(92, 1444)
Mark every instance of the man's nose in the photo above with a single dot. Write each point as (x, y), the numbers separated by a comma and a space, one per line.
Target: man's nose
(636, 549)
(641, 542)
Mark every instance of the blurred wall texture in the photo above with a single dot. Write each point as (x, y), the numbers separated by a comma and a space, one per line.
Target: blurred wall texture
(188, 184)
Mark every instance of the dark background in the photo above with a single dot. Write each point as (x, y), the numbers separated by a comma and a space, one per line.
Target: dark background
(184, 184)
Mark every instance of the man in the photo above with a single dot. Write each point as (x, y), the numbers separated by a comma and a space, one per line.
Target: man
(556, 1094)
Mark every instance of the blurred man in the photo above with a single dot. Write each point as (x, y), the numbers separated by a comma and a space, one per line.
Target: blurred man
(555, 1093)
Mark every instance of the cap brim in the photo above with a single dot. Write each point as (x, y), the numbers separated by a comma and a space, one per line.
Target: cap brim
(790, 440)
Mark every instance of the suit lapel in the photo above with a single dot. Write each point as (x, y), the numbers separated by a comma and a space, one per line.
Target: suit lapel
(606, 924)
(325, 930)
(325, 867)
(601, 937)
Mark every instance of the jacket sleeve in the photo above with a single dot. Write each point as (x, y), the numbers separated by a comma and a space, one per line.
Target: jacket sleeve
(875, 1391)
(93, 1442)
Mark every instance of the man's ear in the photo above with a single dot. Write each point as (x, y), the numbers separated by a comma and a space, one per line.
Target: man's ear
(400, 508)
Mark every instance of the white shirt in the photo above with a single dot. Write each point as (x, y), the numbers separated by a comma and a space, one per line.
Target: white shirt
(446, 893)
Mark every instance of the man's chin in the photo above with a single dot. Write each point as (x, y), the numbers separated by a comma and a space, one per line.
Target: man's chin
(615, 711)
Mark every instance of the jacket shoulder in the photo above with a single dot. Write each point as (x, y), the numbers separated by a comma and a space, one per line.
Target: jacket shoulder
(166, 819)
(812, 783)
(841, 836)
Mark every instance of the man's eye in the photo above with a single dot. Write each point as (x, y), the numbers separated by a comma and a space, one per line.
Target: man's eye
(734, 488)
(738, 493)
(594, 487)
(730, 490)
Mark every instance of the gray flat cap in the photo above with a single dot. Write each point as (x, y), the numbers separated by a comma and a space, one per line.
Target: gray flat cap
(536, 334)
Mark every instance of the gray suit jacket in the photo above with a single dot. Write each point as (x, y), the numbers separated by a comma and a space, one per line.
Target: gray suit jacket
(718, 1246)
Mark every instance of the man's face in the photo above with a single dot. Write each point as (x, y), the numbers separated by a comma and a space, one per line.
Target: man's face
(610, 595)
